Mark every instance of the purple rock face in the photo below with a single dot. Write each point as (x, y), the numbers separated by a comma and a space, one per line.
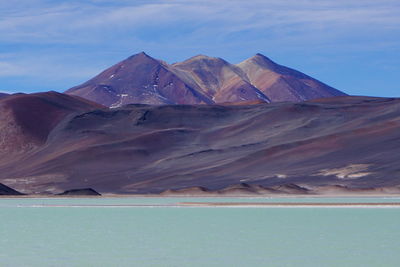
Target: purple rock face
(59, 142)
(142, 79)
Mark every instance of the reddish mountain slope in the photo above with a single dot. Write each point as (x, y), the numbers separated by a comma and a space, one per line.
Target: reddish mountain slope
(342, 142)
(280, 83)
(219, 80)
(27, 119)
(199, 80)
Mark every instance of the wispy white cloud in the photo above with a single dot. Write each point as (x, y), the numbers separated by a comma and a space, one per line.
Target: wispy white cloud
(11, 69)
(35, 33)
(49, 68)
(76, 21)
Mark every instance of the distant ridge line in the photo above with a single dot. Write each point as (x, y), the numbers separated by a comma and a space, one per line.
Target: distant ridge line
(141, 79)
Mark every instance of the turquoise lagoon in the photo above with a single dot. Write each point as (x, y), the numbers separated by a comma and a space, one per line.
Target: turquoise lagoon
(65, 232)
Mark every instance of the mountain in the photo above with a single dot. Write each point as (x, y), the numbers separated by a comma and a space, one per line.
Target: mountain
(138, 79)
(339, 144)
(280, 83)
(142, 79)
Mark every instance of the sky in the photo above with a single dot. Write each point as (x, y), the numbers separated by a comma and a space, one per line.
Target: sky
(352, 45)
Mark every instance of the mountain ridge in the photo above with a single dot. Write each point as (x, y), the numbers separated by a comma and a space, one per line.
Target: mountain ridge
(141, 79)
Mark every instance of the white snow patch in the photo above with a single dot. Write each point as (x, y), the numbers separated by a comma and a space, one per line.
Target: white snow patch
(116, 105)
(260, 96)
(119, 102)
(160, 96)
(155, 88)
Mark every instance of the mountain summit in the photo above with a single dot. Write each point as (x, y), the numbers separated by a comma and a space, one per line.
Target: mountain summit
(200, 80)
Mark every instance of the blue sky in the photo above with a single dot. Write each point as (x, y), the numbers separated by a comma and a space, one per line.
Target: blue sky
(54, 45)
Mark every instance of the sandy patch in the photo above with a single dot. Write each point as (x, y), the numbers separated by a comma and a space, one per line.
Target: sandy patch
(34, 184)
(351, 171)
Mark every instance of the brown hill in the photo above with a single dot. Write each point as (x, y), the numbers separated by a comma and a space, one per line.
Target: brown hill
(347, 141)
(142, 79)
(27, 119)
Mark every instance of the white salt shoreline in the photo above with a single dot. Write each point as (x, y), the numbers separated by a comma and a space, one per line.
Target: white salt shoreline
(288, 196)
(218, 205)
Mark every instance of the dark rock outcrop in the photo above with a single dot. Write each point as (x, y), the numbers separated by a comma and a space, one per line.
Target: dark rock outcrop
(8, 191)
(80, 192)
(291, 189)
(188, 191)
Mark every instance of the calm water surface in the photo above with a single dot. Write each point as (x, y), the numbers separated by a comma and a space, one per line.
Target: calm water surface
(32, 234)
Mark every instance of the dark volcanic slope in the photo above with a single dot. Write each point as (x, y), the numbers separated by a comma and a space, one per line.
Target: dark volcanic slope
(7, 191)
(343, 142)
(199, 80)
(80, 192)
